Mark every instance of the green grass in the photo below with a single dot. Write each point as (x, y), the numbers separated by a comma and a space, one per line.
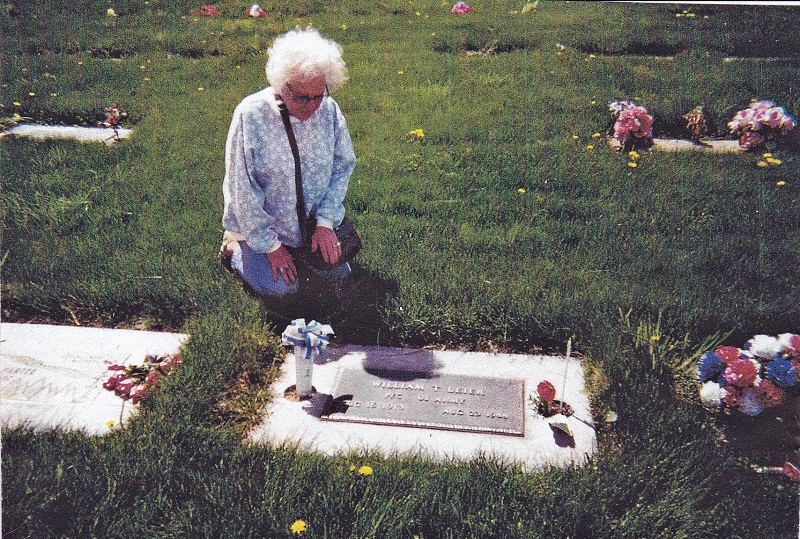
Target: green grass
(455, 255)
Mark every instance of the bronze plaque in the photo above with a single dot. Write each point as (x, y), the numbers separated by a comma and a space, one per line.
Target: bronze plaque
(429, 400)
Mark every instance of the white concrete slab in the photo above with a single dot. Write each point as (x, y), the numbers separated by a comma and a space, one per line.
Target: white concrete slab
(81, 134)
(680, 145)
(52, 376)
(297, 423)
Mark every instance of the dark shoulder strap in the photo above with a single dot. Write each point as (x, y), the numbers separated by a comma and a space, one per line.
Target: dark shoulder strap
(298, 176)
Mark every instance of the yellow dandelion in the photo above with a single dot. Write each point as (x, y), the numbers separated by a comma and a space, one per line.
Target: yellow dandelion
(417, 13)
(773, 161)
(80, 63)
(593, 102)
(633, 154)
(781, 183)
(344, 27)
(574, 137)
(142, 67)
(110, 423)
(766, 155)
(110, 12)
(521, 191)
(762, 164)
(147, 79)
(352, 467)
(200, 89)
(399, 72)
(655, 337)
(298, 527)
(596, 135)
(31, 94)
(365, 470)
(678, 15)
(592, 56)
(632, 164)
(590, 147)
(17, 104)
(690, 15)
(54, 95)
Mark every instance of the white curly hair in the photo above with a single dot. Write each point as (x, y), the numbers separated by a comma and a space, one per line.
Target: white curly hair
(300, 55)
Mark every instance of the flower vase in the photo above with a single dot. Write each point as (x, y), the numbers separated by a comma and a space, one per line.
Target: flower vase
(304, 365)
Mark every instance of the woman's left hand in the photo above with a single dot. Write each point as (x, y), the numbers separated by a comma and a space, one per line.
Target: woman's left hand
(325, 240)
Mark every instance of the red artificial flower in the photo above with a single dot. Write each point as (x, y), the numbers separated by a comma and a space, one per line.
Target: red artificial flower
(546, 391)
(742, 372)
(728, 353)
(769, 394)
(732, 396)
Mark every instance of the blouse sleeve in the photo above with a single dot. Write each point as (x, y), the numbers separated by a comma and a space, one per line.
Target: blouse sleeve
(331, 207)
(244, 214)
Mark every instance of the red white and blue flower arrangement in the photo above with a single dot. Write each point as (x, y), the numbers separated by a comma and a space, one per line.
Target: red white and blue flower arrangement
(750, 379)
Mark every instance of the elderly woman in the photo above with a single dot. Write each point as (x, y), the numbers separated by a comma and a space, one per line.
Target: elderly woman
(261, 221)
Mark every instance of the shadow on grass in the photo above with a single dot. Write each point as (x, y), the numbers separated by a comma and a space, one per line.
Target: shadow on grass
(354, 308)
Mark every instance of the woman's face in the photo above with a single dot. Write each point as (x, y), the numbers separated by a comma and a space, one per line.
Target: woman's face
(303, 98)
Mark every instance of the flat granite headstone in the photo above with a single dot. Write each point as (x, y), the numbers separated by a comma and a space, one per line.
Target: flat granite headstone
(350, 373)
(446, 401)
(52, 376)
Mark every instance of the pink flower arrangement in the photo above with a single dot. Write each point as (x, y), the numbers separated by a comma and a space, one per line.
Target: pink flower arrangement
(632, 125)
(461, 8)
(762, 122)
(135, 382)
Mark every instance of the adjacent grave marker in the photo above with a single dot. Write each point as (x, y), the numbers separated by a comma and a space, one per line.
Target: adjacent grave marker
(52, 376)
(446, 401)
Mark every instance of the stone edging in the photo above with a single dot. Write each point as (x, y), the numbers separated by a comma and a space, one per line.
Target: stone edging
(81, 134)
(681, 145)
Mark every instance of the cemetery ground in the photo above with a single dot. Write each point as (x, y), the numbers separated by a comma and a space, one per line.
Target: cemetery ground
(494, 218)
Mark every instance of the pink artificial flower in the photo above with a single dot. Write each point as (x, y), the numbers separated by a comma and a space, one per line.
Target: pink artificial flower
(138, 393)
(728, 353)
(742, 372)
(153, 378)
(762, 105)
(750, 140)
(461, 8)
(546, 391)
(791, 471)
(769, 394)
(111, 383)
(123, 387)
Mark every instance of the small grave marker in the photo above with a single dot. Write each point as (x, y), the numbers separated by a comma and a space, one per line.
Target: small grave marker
(446, 401)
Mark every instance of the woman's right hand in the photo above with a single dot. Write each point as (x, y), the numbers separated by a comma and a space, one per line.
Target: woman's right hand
(282, 265)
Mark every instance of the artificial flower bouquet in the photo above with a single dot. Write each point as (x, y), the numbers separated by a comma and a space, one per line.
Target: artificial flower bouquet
(750, 379)
(633, 126)
(761, 123)
(134, 382)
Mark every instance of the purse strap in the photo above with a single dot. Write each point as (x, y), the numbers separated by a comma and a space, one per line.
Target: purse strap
(300, 206)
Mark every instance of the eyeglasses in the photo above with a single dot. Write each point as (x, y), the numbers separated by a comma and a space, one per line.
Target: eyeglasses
(308, 99)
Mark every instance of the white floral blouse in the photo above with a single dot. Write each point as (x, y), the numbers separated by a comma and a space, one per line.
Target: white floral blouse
(259, 185)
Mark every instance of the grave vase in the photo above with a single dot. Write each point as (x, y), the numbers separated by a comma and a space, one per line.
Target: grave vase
(304, 365)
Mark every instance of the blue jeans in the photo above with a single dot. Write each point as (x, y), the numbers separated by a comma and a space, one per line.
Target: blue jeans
(257, 272)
